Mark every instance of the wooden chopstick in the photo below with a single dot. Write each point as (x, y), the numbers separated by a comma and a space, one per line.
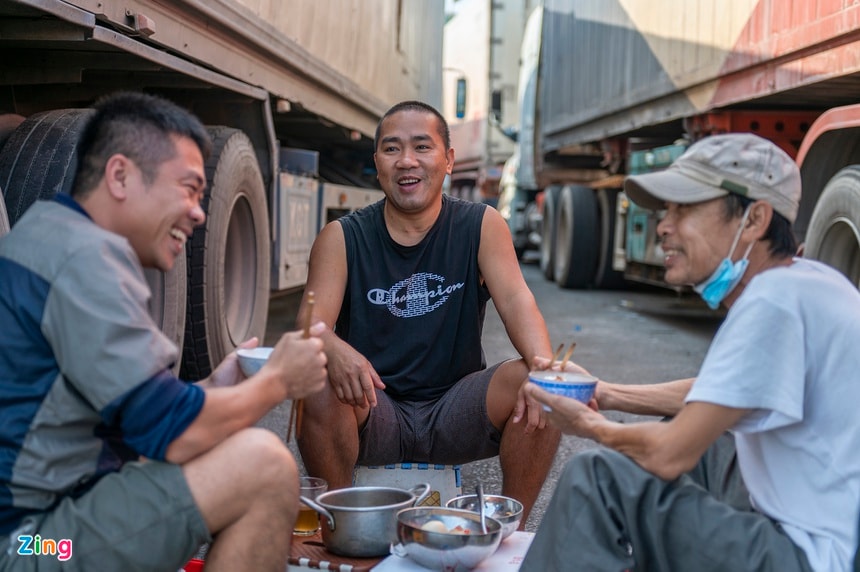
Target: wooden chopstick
(309, 315)
(557, 354)
(298, 405)
(567, 355)
(299, 410)
(293, 409)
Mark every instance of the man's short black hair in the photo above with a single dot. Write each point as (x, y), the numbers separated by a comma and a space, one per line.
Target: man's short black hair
(779, 233)
(443, 130)
(138, 126)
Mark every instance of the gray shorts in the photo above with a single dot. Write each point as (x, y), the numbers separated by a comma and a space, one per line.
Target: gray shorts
(451, 430)
(141, 518)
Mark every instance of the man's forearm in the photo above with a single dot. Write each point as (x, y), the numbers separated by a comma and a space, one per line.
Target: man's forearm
(225, 411)
(529, 335)
(662, 399)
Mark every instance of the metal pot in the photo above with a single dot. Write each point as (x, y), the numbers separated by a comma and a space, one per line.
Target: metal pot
(362, 521)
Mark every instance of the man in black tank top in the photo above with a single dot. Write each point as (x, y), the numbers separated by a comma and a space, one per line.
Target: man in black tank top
(404, 283)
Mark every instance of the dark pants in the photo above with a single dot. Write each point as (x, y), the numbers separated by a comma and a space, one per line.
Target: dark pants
(609, 514)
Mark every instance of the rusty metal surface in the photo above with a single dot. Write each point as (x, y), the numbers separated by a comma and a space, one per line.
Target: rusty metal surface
(347, 61)
(621, 66)
(390, 49)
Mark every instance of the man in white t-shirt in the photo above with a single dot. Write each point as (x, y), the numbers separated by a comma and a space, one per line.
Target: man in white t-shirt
(781, 375)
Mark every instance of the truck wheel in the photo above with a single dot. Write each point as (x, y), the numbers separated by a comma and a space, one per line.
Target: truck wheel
(228, 257)
(547, 233)
(39, 161)
(577, 238)
(4, 220)
(834, 229)
(9, 122)
(168, 301)
(606, 277)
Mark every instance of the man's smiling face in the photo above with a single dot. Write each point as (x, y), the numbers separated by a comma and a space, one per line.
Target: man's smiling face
(411, 159)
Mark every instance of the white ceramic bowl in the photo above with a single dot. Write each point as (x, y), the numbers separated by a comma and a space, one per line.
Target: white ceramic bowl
(250, 361)
(578, 386)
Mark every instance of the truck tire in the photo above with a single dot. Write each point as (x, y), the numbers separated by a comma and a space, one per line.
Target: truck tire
(39, 161)
(577, 238)
(167, 302)
(834, 229)
(525, 241)
(606, 277)
(228, 257)
(9, 122)
(4, 220)
(547, 233)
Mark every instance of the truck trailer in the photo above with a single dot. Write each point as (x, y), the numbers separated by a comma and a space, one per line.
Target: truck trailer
(480, 69)
(290, 91)
(615, 87)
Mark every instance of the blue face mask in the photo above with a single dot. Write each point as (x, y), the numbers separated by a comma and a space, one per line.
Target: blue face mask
(727, 275)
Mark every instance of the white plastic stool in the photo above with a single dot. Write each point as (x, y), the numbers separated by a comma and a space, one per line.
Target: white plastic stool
(444, 480)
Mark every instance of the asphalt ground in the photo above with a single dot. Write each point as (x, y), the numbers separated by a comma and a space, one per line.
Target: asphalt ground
(639, 335)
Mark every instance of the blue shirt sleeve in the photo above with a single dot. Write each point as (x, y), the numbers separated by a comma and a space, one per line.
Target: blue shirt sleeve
(155, 413)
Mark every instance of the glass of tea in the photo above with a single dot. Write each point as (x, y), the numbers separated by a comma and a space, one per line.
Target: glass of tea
(308, 521)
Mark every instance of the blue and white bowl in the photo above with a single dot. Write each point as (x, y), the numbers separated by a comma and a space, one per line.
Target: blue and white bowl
(579, 386)
(251, 360)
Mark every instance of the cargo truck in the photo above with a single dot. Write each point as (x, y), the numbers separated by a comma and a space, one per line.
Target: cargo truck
(480, 69)
(290, 91)
(613, 87)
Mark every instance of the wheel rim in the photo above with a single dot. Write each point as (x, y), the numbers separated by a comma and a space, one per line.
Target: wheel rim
(228, 257)
(562, 247)
(840, 248)
(547, 235)
(239, 309)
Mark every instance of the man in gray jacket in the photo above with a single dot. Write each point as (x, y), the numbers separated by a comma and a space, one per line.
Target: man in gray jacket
(86, 385)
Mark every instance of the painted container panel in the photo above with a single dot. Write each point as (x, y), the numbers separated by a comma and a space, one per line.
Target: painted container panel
(346, 60)
(295, 216)
(612, 67)
(391, 49)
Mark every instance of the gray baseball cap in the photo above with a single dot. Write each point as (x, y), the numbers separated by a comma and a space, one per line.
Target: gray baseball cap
(740, 163)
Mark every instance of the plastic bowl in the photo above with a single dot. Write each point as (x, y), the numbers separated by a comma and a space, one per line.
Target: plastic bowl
(579, 386)
(250, 361)
(461, 547)
(508, 511)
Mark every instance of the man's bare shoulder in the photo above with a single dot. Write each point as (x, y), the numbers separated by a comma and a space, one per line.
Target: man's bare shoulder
(329, 243)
